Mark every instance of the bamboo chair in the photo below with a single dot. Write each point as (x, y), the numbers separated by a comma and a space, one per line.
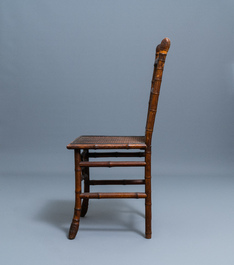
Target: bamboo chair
(85, 143)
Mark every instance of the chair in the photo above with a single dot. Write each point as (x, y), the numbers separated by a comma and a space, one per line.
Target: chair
(87, 143)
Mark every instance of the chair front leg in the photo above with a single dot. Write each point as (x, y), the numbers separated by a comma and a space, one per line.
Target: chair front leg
(76, 218)
(148, 214)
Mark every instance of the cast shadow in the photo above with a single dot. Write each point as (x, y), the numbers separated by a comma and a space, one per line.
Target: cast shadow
(103, 215)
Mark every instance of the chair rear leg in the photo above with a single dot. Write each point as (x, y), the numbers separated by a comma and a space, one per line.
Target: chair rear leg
(148, 214)
(85, 202)
(77, 210)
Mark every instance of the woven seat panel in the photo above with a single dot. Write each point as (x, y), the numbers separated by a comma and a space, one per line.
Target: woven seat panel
(95, 142)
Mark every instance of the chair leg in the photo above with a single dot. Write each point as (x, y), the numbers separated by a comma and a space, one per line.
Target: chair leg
(76, 218)
(148, 214)
(85, 202)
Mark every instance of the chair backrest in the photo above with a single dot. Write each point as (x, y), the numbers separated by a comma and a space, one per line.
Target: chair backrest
(160, 57)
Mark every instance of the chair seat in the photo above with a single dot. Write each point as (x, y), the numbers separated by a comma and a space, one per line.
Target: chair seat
(108, 142)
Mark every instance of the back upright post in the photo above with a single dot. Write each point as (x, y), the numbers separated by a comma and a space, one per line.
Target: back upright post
(161, 53)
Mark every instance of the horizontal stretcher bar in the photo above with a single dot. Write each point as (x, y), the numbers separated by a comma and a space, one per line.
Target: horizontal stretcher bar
(116, 154)
(113, 164)
(114, 195)
(117, 182)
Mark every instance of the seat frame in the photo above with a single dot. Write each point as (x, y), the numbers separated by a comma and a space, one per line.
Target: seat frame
(83, 163)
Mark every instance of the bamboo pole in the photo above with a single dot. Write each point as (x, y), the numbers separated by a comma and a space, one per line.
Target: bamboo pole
(114, 195)
(76, 218)
(113, 164)
(117, 154)
(118, 182)
(161, 53)
(85, 202)
(148, 214)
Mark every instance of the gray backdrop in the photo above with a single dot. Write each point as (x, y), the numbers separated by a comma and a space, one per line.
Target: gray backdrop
(84, 67)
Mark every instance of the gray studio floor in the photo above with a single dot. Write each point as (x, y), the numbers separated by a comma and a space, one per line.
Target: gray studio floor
(193, 217)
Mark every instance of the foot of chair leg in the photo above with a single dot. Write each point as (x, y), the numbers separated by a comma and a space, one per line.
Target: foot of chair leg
(148, 230)
(84, 207)
(73, 229)
(148, 235)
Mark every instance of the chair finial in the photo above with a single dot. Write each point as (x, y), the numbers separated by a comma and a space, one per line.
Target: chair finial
(165, 45)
